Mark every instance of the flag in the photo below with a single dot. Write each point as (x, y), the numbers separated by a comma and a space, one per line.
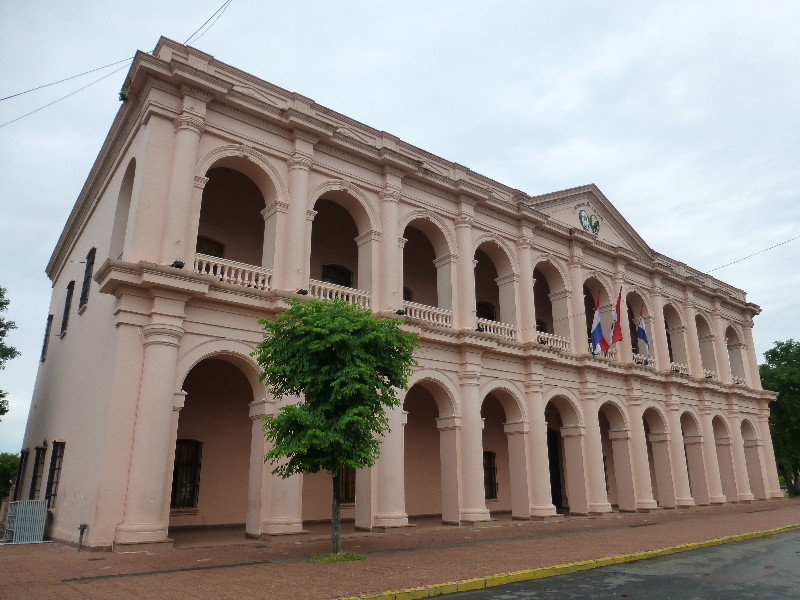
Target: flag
(616, 327)
(599, 343)
(641, 335)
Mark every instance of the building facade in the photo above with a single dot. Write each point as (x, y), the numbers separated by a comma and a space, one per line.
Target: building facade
(217, 195)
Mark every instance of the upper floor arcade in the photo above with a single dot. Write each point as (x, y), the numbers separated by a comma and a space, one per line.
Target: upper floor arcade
(307, 201)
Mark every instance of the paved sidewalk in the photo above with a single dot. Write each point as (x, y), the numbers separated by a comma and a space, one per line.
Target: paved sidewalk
(222, 564)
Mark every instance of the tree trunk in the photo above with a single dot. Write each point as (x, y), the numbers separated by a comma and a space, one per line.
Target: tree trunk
(793, 483)
(336, 523)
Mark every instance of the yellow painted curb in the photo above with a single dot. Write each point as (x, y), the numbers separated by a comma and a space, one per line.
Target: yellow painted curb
(478, 583)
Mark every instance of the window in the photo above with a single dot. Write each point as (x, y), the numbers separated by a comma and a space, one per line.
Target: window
(347, 485)
(338, 275)
(186, 474)
(485, 310)
(209, 247)
(38, 469)
(490, 475)
(67, 304)
(87, 278)
(54, 476)
(23, 462)
(47, 329)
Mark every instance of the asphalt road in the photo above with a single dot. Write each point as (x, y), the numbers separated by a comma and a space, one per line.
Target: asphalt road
(762, 569)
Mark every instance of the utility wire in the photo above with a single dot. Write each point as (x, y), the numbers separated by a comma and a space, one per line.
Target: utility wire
(738, 260)
(222, 8)
(66, 79)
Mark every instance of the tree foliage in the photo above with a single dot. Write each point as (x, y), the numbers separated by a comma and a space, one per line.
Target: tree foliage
(781, 374)
(347, 366)
(6, 352)
(9, 465)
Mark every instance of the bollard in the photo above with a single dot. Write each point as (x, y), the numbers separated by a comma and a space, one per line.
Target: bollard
(81, 528)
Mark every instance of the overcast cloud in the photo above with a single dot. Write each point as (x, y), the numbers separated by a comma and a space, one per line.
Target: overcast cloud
(685, 114)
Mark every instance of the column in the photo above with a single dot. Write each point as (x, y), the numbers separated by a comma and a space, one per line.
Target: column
(178, 401)
(368, 264)
(683, 495)
(692, 341)
(598, 497)
(446, 281)
(753, 376)
(189, 126)
(296, 240)
(577, 311)
(739, 461)
(623, 469)
(662, 465)
(144, 504)
(727, 473)
(657, 330)
(509, 307)
(774, 487)
(756, 471)
(450, 460)
(193, 224)
(624, 349)
(517, 436)
(541, 498)
(273, 254)
(391, 282)
(526, 311)
(720, 345)
(641, 464)
(465, 309)
(257, 473)
(473, 493)
(391, 505)
(709, 444)
(575, 472)
(698, 486)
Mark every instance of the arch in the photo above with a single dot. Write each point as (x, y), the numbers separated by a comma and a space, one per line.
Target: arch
(720, 426)
(568, 405)
(353, 199)
(233, 351)
(251, 163)
(447, 400)
(749, 429)
(122, 211)
(735, 351)
(723, 451)
(705, 337)
(554, 270)
(618, 419)
(661, 425)
(510, 397)
(438, 230)
(500, 251)
(690, 425)
(551, 297)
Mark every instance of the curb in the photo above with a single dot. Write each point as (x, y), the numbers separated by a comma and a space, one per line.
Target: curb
(440, 589)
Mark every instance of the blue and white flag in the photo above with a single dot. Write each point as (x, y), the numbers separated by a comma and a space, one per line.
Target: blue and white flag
(599, 343)
(641, 334)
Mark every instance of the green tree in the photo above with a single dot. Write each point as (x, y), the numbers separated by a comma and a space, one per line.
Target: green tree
(6, 352)
(781, 374)
(9, 465)
(348, 366)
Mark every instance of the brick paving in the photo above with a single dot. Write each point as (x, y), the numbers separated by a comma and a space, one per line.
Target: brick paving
(221, 563)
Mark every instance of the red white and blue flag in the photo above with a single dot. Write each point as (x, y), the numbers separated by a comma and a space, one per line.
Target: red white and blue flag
(599, 343)
(641, 334)
(616, 327)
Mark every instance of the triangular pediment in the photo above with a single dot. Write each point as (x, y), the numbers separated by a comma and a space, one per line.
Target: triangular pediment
(587, 209)
(261, 95)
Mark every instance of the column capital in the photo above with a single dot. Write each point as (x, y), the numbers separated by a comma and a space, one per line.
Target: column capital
(446, 423)
(510, 278)
(369, 236)
(464, 221)
(261, 407)
(189, 122)
(516, 427)
(390, 195)
(200, 181)
(178, 400)
(278, 206)
(162, 333)
(299, 161)
(310, 214)
(446, 259)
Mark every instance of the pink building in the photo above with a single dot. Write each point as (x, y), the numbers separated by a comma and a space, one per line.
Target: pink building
(216, 195)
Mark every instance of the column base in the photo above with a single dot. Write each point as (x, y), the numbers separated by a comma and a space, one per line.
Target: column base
(391, 520)
(646, 504)
(684, 502)
(475, 515)
(746, 497)
(543, 512)
(718, 499)
(282, 526)
(141, 533)
(598, 508)
(777, 495)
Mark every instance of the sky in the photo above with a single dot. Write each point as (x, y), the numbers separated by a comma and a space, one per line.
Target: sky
(685, 114)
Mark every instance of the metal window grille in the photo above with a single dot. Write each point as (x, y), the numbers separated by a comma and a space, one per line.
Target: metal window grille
(23, 462)
(87, 277)
(347, 485)
(485, 310)
(67, 305)
(47, 329)
(38, 470)
(54, 476)
(338, 275)
(186, 474)
(490, 475)
(209, 247)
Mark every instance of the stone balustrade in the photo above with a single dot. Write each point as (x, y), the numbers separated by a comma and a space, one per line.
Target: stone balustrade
(429, 314)
(610, 353)
(330, 291)
(552, 340)
(739, 380)
(496, 328)
(230, 271)
(677, 367)
(708, 374)
(642, 360)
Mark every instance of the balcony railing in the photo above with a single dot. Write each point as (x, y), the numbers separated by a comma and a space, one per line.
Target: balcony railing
(230, 271)
(642, 360)
(553, 340)
(739, 380)
(677, 367)
(495, 327)
(610, 353)
(330, 291)
(429, 314)
(708, 374)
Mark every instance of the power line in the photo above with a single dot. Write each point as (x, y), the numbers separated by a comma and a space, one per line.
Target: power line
(66, 79)
(738, 260)
(222, 8)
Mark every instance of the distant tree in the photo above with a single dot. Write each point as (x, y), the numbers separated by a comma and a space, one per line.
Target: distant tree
(6, 352)
(781, 374)
(348, 366)
(9, 465)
